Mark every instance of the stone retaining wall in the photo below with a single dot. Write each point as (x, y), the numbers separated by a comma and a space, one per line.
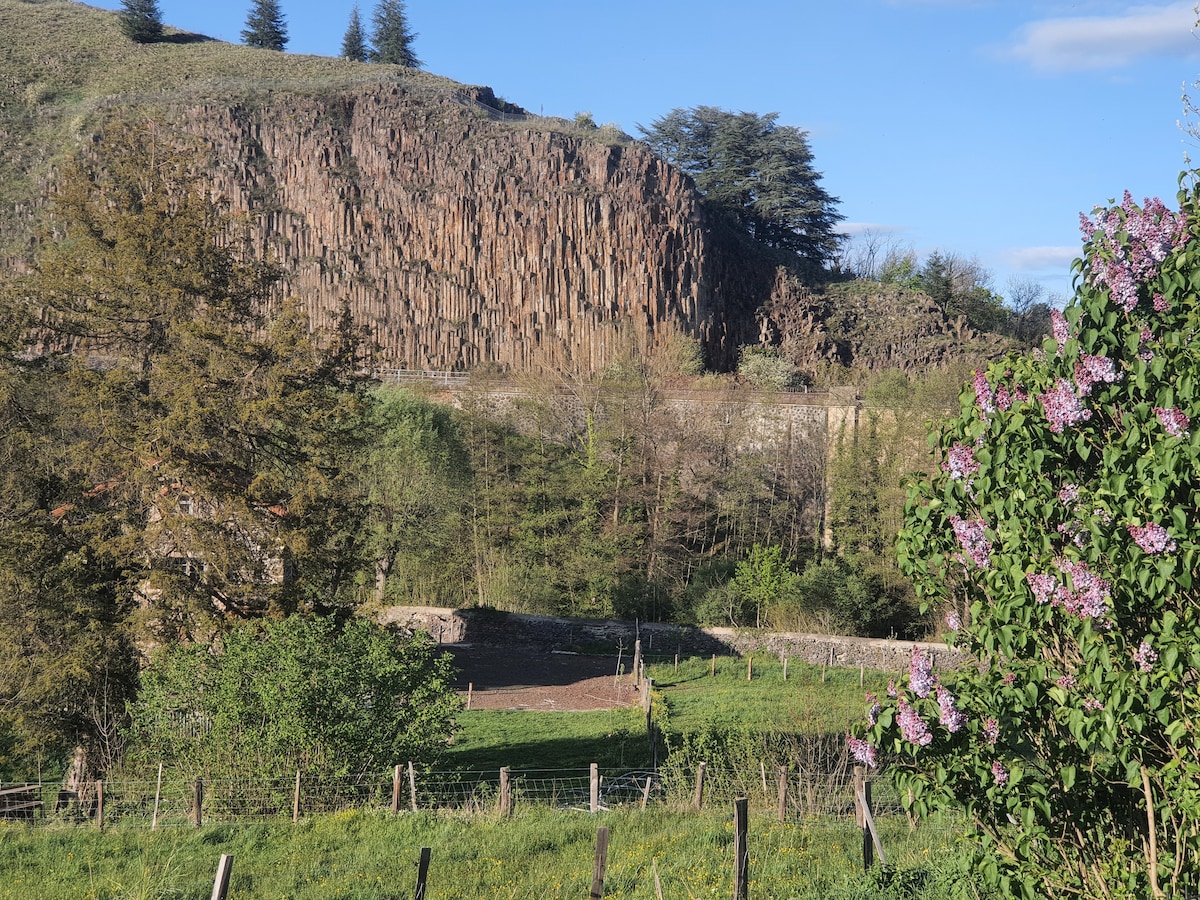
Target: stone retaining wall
(520, 631)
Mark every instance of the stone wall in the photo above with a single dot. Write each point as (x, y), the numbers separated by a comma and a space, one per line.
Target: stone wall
(520, 631)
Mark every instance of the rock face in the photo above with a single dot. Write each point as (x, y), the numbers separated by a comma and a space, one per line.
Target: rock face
(457, 239)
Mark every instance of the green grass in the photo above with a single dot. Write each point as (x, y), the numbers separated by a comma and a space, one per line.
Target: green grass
(803, 703)
(537, 853)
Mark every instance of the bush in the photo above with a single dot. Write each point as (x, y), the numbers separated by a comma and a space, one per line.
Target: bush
(302, 693)
(1062, 537)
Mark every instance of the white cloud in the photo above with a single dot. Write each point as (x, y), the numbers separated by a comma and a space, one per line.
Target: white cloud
(1109, 42)
(1040, 259)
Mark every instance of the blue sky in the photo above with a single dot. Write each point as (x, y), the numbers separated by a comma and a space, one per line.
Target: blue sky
(976, 127)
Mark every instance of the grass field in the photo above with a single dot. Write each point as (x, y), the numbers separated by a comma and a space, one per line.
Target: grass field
(538, 853)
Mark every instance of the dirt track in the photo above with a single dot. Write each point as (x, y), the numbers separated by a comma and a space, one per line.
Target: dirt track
(520, 678)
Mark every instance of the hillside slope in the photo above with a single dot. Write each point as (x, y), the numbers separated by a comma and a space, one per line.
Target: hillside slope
(458, 229)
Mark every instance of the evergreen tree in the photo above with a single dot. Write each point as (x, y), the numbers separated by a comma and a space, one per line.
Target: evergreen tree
(758, 173)
(141, 21)
(354, 46)
(392, 37)
(265, 27)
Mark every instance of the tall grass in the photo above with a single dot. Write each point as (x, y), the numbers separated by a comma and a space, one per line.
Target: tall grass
(542, 853)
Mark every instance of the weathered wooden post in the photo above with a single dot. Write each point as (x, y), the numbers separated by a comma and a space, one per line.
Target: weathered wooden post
(864, 819)
(157, 799)
(505, 792)
(712, 667)
(296, 800)
(396, 789)
(741, 851)
(784, 658)
(698, 800)
(198, 802)
(100, 804)
(470, 692)
(422, 873)
(783, 780)
(600, 864)
(637, 662)
(646, 792)
(749, 667)
(412, 786)
(594, 792)
(221, 883)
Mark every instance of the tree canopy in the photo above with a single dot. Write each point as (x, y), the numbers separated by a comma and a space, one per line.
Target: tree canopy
(391, 38)
(141, 20)
(265, 26)
(755, 171)
(1061, 539)
(354, 44)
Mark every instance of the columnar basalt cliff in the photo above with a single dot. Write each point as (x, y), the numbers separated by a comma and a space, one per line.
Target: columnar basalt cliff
(457, 240)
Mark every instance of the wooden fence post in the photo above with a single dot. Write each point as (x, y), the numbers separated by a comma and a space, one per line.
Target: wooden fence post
(100, 804)
(785, 667)
(412, 785)
(749, 667)
(637, 663)
(157, 799)
(864, 819)
(646, 792)
(600, 863)
(396, 789)
(741, 852)
(296, 800)
(198, 802)
(422, 874)
(470, 692)
(594, 784)
(783, 784)
(505, 793)
(698, 800)
(221, 882)
(712, 668)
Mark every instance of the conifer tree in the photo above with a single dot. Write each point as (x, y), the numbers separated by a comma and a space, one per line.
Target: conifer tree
(392, 37)
(141, 21)
(265, 26)
(354, 45)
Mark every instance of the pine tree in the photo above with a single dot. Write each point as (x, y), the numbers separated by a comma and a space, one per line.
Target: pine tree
(392, 37)
(354, 46)
(141, 21)
(265, 27)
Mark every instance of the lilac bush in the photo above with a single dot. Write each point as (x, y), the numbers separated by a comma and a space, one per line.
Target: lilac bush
(1062, 532)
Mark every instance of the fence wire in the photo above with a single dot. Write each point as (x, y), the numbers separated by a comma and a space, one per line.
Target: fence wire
(185, 801)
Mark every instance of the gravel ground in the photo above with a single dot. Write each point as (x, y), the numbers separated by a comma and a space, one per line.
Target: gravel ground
(520, 678)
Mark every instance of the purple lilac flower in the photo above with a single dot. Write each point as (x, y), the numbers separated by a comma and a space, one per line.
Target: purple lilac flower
(983, 394)
(1088, 595)
(1145, 336)
(891, 690)
(1150, 233)
(1091, 704)
(1009, 679)
(991, 731)
(861, 750)
(912, 726)
(1066, 682)
(999, 773)
(953, 622)
(1068, 493)
(1093, 369)
(951, 717)
(1063, 406)
(1152, 538)
(1060, 327)
(920, 673)
(960, 463)
(1073, 531)
(971, 538)
(1174, 421)
(1145, 657)
(873, 710)
(1161, 303)
(1043, 586)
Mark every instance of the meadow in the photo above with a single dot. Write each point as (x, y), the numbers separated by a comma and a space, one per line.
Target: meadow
(545, 848)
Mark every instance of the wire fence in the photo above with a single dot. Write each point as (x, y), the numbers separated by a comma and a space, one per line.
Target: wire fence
(186, 801)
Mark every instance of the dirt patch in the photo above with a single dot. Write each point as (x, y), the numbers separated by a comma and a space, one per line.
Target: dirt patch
(521, 678)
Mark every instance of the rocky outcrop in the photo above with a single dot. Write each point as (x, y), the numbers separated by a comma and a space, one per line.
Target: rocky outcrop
(457, 239)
